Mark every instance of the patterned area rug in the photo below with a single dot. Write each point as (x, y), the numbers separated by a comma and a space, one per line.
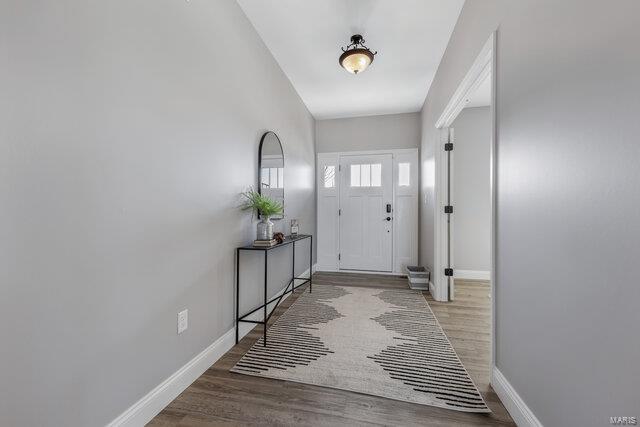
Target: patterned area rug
(376, 341)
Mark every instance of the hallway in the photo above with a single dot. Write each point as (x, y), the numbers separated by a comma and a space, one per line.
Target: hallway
(170, 170)
(219, 396)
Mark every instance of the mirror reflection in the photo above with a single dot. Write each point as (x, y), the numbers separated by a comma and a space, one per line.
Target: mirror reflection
(271, 158)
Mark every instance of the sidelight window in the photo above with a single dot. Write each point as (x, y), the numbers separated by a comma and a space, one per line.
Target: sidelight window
(404, 174)
(329, 176)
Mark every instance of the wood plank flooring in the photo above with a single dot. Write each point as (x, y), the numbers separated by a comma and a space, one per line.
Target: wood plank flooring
(220, 397)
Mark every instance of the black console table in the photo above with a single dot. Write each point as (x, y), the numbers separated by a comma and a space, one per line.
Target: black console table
(287, 241)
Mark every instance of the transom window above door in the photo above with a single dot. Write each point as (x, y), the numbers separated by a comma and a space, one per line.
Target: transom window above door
(367, 175)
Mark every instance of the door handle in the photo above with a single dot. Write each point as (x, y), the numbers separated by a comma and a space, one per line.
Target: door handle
(388, 218)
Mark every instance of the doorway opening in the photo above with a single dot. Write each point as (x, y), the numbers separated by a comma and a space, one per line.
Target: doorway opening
(465, 192)
(368, 211)
(469, 191)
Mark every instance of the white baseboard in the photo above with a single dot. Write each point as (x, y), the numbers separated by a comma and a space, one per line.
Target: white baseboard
(519, 411)
(324, 269)
(438, 293)
(471, 274)
(143, 411)
(433, 290)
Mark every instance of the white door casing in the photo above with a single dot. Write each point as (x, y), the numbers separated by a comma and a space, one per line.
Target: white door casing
(366, 228)
(480, 70)
(483, 67)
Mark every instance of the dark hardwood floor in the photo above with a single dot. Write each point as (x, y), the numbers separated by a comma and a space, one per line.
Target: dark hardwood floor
(220, 397)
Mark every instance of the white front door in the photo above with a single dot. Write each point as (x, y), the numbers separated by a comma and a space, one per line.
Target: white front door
(366, 219)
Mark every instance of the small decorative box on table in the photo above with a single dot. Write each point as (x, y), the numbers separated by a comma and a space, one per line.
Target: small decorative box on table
(289, 240)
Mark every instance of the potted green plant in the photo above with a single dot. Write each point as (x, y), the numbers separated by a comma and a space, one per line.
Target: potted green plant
(263, 207)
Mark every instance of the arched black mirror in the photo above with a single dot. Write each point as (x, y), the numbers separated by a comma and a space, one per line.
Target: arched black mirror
(271, 168)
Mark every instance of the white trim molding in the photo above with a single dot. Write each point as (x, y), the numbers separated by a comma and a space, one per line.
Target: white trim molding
(472, 274)
(369, 152)
(479, 71)
(519, 411)
(381, 273)
(433, 290)
(143, 411)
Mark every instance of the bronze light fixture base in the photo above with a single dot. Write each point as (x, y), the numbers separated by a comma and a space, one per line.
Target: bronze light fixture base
(356, 57)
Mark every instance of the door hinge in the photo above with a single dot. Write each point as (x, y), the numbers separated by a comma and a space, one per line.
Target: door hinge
(338, 257)
(448, 209)
(448, 271)
(448, 146)
(339, 212)
(339, 168)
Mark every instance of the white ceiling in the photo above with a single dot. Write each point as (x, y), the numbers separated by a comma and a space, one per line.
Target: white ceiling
(482, 95)
(305, 38)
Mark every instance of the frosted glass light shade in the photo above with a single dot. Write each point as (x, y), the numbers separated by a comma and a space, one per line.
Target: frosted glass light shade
(356, 60)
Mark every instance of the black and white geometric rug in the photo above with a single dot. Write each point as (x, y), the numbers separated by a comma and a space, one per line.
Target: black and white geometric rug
(376, 341)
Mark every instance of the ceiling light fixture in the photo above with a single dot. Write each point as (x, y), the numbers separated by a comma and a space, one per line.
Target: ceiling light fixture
(356, 57)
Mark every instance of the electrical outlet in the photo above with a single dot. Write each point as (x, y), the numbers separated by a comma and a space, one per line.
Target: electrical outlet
(183, 321)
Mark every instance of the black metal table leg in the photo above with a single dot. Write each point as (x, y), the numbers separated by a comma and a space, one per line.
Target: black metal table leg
(310, 262)
(237, 294)
(266, 253)
(293, 269)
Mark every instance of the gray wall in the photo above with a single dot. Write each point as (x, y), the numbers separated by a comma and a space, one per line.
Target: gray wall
(568, 209)
(368, 133)
(471, 190)
(127, 130)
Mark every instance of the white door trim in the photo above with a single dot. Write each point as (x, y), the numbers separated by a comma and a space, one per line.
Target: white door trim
(479, 71)
(484, 66)
(367, 152)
